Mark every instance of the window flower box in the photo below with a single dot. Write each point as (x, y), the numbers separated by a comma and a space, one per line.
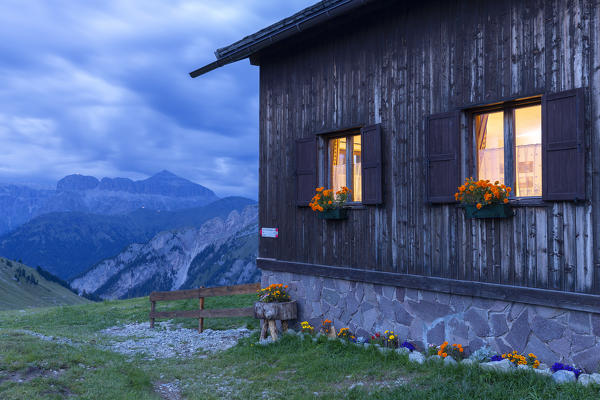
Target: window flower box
(328, 205)
(482, 199)
(489, 211)
(336, 213)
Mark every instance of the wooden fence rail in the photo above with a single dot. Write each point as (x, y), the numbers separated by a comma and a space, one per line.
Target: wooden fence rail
(200, 294)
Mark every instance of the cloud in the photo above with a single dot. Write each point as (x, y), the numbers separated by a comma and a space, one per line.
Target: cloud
(101, 88)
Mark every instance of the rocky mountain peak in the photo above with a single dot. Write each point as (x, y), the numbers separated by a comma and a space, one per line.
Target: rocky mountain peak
(167, 183)
(77, 182)
(164, 183)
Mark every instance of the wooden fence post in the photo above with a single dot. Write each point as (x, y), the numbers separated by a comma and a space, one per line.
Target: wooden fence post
(201, 294)
(201, 320)
(152, 309)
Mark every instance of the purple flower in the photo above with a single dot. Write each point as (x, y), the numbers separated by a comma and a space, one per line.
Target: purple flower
(496, 357)
(566, 367)
(408, 346)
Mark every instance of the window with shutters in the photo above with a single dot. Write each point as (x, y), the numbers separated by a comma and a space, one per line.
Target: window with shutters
(351, 158)
(536, 146)
(345, 164)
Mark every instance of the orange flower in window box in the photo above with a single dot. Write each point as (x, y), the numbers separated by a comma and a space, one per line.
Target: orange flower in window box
(483, 199)
(330, 205)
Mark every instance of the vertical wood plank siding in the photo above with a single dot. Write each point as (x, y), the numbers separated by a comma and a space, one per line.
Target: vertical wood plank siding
(398, 67)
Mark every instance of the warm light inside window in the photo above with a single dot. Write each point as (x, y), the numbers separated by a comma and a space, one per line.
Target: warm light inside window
(338, 168)
(489, 132)
(356, 169)
(528, 154)
(345, 165)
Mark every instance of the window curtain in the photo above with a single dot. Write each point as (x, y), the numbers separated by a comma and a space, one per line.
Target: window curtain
(491, 160)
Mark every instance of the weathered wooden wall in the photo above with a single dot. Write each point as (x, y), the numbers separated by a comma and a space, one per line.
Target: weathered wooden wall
(398, 67)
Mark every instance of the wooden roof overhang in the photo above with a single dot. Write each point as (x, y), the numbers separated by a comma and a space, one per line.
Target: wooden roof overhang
(315, 15)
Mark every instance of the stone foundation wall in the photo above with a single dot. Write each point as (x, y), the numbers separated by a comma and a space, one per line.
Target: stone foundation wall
(423, 317)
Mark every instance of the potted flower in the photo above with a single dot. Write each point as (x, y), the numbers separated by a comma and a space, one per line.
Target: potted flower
(306, 327)
(483, 199)
(328, 329)
(390, 339)
(455, 351)
(329, 205)
(345, 334)
(274, 303)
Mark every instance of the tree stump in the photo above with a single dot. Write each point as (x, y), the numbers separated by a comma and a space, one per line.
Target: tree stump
(269, 313)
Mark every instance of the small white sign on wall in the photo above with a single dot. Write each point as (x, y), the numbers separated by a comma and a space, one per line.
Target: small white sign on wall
(269, 232)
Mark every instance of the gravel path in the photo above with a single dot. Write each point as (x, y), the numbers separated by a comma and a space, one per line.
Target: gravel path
(167, 340)
(164, 341)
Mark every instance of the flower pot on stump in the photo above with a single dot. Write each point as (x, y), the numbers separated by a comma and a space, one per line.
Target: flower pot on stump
(271, 312)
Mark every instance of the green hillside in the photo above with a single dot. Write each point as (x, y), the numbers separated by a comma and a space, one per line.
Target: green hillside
(31, 289)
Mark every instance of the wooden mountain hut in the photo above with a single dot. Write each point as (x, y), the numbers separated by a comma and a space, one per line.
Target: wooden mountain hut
(400, 102)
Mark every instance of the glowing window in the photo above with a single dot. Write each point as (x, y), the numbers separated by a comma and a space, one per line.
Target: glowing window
(345, 165)
(528, 154)
(489, 130)
(521, 126)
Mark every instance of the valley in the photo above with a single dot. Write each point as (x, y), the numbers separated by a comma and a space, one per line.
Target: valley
(117, 238)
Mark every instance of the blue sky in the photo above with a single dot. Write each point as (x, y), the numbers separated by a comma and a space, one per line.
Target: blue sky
(102, 88)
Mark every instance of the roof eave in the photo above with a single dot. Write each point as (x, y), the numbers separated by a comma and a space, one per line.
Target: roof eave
(279, 31)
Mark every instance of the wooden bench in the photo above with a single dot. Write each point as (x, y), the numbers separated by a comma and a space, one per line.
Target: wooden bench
(200, 294)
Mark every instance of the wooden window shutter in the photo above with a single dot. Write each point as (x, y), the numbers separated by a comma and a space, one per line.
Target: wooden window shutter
(371, 164)
(563, 157)
(442, 143)
(306, 170)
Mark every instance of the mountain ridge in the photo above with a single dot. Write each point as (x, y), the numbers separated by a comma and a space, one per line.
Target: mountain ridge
(68, 243)
(165, 191)
(164, 183)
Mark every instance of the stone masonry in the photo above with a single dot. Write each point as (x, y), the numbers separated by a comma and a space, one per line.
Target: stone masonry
(424, 317)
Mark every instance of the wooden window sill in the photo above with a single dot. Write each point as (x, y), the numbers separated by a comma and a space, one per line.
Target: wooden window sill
(356, 206)
(524, 202)
(529, 202)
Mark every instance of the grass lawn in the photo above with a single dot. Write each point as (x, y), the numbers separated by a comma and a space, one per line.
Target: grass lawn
(292, 368)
